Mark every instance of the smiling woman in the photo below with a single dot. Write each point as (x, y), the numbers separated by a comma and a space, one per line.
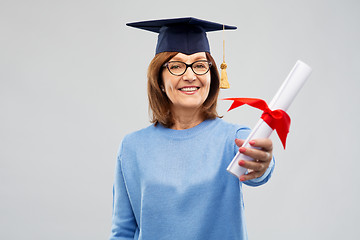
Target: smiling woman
(188, 91)
(170, 179)
(160, 103)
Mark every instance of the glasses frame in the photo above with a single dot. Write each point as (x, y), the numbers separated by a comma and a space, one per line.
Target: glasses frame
(187, 66)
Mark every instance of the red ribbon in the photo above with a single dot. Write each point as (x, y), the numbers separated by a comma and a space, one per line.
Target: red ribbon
(278, 119)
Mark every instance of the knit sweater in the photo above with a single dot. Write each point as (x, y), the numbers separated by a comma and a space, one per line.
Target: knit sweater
(173, 184)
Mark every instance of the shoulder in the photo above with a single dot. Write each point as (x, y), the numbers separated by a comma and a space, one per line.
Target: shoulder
(132, 140)
(229, 128)
(220, 130)
(139, 134)
(225, 133)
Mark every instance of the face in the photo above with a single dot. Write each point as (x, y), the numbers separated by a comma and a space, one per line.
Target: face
(188, 91)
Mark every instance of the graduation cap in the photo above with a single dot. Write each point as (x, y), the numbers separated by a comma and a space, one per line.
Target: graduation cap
(185, 35)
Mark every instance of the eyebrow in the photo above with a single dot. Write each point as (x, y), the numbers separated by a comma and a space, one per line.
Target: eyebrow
(195, 59)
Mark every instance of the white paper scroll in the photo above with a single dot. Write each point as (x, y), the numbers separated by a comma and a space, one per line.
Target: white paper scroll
(282, 100)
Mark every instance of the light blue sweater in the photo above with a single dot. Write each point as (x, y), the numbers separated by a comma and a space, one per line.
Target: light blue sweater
(173, 184)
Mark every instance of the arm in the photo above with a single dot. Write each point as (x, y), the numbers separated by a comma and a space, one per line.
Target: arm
(123, 220)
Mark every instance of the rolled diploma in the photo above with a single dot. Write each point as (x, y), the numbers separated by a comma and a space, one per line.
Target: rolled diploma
(282, 100)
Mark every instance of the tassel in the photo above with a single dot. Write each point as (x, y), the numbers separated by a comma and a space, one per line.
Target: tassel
(224, 83)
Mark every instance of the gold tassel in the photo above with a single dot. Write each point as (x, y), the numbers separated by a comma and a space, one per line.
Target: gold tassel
(224, 83)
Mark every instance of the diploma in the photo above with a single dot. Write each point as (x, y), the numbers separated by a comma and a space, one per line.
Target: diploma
(281, 101)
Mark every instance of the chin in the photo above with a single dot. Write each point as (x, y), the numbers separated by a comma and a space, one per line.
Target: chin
(191, 106)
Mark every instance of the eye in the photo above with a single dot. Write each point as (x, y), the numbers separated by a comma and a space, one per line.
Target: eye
(176, 65)
(200, 65)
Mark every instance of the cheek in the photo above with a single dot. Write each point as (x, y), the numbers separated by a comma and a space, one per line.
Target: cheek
(169, 83)
(207, 87)
(207, 82)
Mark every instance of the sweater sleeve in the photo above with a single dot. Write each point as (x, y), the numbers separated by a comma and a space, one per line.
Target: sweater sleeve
(123, 220)
(243, 133)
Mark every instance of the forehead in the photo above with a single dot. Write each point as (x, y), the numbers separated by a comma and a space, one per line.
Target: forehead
(189, 58)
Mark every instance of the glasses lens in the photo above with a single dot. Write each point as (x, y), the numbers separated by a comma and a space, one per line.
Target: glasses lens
(177, 68)
(200, 67)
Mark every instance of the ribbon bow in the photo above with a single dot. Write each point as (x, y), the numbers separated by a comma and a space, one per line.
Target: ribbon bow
(277, 119)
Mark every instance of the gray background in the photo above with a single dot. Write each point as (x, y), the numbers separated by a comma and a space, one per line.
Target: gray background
(73, 83)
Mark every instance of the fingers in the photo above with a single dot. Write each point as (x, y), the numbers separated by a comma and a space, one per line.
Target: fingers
(261, 151)
(256, 169)
(251, 175)
(239, 142)
(256, 166)
(263, 143)
(258, 154)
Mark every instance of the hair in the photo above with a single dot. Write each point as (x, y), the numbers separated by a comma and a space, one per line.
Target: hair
(160, 104)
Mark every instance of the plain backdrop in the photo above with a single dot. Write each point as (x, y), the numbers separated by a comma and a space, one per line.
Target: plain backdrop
(73, 83)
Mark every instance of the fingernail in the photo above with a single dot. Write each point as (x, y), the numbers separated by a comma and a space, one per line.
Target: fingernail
(242, 149)
(241, 162)
(252, 142)
(242, 179)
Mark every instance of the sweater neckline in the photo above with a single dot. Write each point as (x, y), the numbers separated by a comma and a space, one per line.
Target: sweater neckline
(187, 133)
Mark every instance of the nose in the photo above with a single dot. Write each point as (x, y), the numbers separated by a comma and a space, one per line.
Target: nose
(189, 75)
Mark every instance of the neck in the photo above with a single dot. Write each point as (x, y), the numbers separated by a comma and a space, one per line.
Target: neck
(185, 118)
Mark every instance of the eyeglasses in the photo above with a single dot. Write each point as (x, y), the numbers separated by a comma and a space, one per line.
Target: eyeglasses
(178, 68)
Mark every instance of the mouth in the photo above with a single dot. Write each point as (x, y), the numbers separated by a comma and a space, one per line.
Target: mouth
(189, 89)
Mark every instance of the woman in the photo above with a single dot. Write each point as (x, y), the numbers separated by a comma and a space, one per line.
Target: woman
(171, 180)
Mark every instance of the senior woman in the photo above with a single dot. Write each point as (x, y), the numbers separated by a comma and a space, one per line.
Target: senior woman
(170, 179)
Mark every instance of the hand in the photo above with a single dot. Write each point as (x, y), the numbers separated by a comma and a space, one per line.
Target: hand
(262, 157)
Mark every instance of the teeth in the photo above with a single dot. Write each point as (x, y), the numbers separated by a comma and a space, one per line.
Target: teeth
(189, 89)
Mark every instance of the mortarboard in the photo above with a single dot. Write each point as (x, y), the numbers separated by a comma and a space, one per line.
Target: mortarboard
(185, 35)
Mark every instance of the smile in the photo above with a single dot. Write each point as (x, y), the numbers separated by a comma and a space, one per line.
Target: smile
(189, 89)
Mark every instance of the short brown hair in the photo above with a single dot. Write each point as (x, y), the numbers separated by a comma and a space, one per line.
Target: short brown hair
(159, 103)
